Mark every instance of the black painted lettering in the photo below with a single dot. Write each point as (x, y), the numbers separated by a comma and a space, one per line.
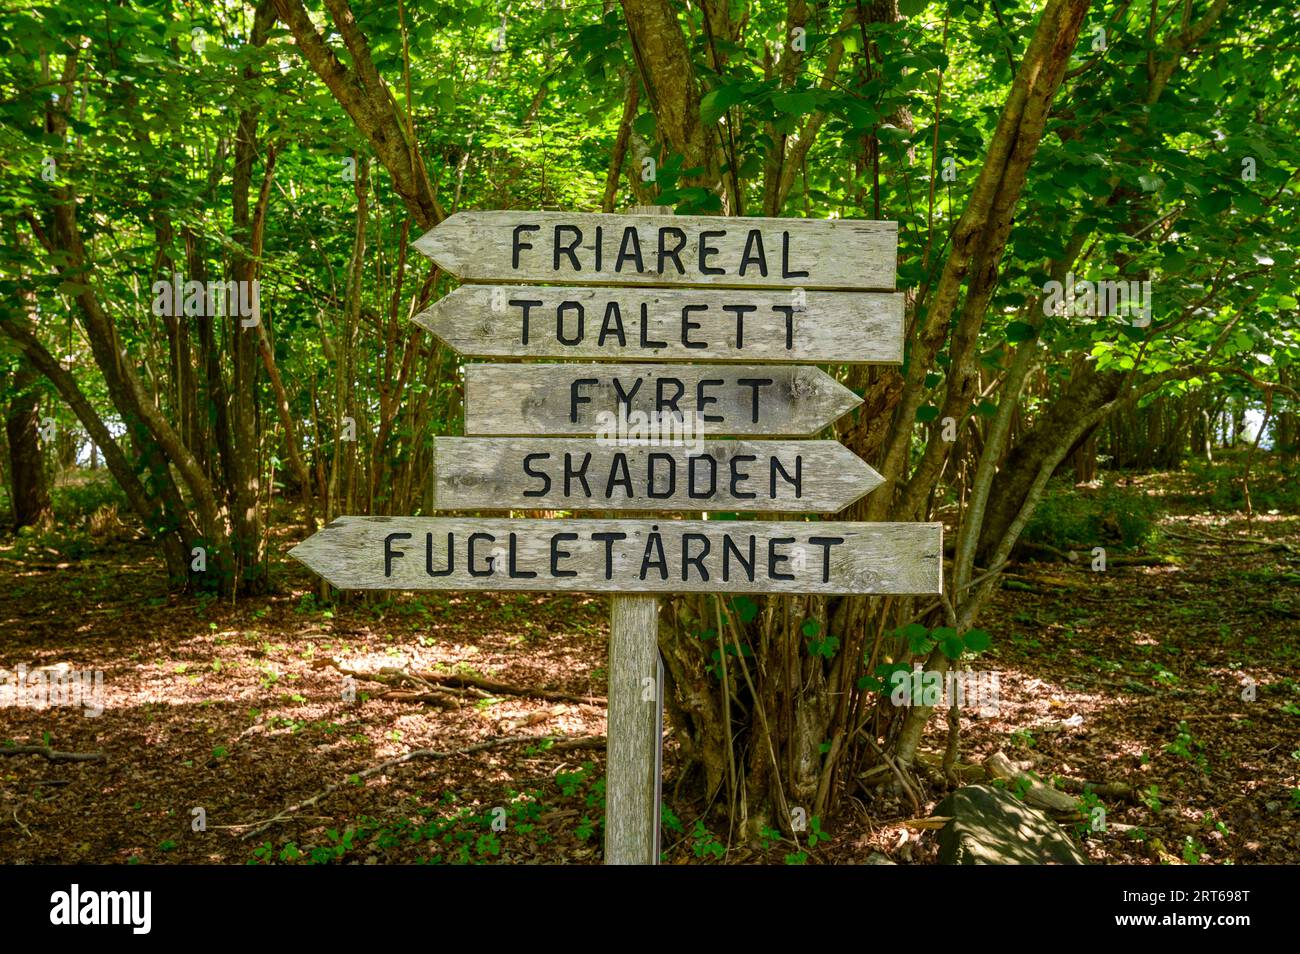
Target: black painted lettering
(775, 559)
(609, 539)
(559, 322)
(625, 397)
(557, 554)
(541, 474)
(619, 476)
(698, 559)
(580, 473)
(671, 253)
(796, 481)
(740, 311)
(661, 402)
(785, 259)
(390, 554)
(826, 543)
(671, 462)
(703, 400)
(654, 542)
(707, 250)
(616, 327)
(738, 476)
(526, 305)
(754, 384)
(688, 326)
(561, 249)
(517, 243)
(428, 555)
(693, 487)
(645, 330)
(474, 538)
(728, 548)
(576, 397)
(754, 253)
(788, 311)
(514, 571)
(629, 248)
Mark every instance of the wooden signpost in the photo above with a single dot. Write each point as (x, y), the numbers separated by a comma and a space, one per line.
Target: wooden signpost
(751, 303)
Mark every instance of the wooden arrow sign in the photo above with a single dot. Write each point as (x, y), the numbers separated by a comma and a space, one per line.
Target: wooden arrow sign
(718, 556)
(494, 473)
(611, 400)
(590, 249)
(670, 324)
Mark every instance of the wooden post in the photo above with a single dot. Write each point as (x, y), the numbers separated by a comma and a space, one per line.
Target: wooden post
(634, 739)
(634, 734)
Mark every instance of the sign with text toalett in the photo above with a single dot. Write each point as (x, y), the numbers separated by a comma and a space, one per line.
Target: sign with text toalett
(669, 324)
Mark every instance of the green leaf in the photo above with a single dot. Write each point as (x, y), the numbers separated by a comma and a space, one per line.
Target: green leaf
(977, 640)
(745, 608)
(1018, 331)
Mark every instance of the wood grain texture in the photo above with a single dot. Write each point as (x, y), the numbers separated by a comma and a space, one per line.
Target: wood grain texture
(563, 248)
(539, 399)
(634, 741)
(669, 324)
(492, 473)
(500, 554)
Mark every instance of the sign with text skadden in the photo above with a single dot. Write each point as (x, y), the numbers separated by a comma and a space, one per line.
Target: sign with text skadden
(641, 556)
(594, 249)
(669, 324)
(659, 472)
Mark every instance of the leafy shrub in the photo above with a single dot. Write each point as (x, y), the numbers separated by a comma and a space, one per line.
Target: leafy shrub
(1067, 519)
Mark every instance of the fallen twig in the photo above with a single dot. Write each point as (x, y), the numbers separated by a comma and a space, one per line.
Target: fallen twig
(51, 754)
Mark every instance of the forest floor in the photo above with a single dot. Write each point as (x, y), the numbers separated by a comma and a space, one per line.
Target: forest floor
(1181, 681)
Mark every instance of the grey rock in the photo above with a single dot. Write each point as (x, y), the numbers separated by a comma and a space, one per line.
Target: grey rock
(990, 826)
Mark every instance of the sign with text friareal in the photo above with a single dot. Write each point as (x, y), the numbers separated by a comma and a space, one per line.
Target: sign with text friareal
(597, 249)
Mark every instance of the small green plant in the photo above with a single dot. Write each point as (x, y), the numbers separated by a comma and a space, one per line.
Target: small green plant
(815, 833)
(1151, 798)
(1185, 745)
(1193, 850)
(1023, 738)
(705, 844)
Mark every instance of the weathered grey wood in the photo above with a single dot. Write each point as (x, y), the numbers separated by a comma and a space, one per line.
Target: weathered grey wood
(493, 473)
(803, 253)
(669, 324)
(538, 399)
(634, 742)
(902, 558)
